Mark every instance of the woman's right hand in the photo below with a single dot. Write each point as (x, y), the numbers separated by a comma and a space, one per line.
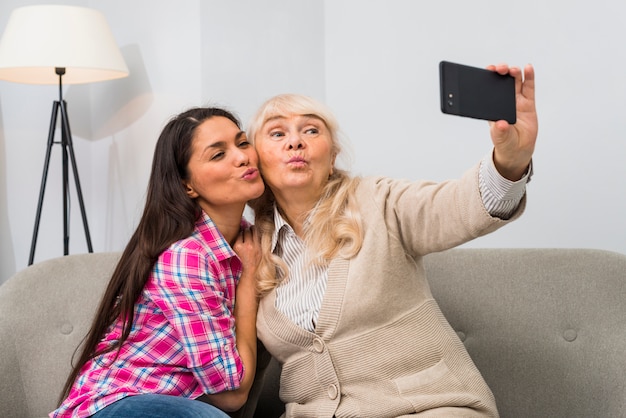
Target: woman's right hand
(248, 248)
(514, 144)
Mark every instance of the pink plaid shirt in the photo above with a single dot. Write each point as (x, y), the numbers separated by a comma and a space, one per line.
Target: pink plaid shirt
(182, 341)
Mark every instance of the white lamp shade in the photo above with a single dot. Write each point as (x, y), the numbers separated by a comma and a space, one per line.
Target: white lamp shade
(39, 39)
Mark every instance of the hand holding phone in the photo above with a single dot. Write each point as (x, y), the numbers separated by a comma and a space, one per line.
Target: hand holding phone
(476, 92)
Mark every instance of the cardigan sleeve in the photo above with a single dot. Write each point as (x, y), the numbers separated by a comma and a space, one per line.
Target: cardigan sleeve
(428, 216)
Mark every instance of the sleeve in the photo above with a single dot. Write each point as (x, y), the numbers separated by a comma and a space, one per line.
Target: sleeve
(425, 217)
(500, 196)
(197, 302)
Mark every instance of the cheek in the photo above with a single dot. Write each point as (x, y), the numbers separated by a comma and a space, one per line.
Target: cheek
(265, 154)
(268, 171)
(269, 167)
(324, 153)
(209, 176)
(253, 156)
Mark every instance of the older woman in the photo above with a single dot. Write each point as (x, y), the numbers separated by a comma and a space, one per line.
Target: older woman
(346, 308)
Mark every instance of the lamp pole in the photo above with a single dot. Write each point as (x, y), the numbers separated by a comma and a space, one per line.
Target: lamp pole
(67, 147)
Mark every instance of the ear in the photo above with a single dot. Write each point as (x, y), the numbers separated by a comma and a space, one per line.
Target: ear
(190, 190)
(332, 164)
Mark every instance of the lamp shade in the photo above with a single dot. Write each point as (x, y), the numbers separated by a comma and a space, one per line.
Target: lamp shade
(38, 39)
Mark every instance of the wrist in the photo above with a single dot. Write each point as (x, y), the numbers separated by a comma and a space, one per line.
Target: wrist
(511, 170)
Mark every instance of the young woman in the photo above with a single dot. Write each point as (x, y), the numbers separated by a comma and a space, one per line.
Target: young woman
(177, 320)
(346, 308)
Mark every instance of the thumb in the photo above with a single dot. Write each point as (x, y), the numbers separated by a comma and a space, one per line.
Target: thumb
(499, 132)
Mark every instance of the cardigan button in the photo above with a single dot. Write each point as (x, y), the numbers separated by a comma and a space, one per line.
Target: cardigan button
(332, 391)
(318, 345)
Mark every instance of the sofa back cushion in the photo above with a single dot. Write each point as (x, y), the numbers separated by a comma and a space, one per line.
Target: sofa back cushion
(45, 311)
(546, 327)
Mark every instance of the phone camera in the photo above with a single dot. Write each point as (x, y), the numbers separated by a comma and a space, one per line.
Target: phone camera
(450, 101)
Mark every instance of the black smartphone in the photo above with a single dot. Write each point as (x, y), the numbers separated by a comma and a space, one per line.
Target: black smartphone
(476, 92)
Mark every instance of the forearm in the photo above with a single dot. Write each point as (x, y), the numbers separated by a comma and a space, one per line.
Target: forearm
(246, 342)
(245, 330)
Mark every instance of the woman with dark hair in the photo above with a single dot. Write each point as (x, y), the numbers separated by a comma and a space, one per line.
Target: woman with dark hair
(177, 320)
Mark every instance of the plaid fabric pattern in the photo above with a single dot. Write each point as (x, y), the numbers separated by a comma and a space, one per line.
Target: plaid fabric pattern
(182, 342)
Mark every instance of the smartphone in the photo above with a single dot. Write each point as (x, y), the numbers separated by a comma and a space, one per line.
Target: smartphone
(476, 92)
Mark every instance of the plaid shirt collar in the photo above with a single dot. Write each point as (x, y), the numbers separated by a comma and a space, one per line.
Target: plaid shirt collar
(207, 229)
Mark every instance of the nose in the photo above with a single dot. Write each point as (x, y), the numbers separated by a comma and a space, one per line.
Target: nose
(294, 141)
(241, 158)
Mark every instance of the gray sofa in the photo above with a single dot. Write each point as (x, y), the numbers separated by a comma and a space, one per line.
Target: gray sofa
(546, 327)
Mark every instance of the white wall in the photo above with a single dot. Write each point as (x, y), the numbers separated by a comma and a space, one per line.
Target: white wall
(382, 80)
(373, 62)
(182, 54)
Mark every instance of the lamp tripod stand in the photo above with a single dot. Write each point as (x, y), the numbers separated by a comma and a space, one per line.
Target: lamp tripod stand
(67, 147)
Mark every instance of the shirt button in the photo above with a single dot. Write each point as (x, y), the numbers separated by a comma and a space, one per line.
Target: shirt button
(332, 391)
(318, 345)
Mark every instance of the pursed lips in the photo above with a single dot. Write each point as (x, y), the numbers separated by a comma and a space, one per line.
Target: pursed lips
(250, 173)
(298, 160)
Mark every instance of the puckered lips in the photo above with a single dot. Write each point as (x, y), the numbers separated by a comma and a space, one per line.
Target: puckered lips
(250, 174)
(297, 161)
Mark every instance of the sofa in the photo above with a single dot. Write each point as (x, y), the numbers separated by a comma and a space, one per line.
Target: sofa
(546, 328)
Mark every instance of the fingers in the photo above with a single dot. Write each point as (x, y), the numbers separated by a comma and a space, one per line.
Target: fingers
(242, 239)
(246, 240)
(247, 248)
(249, 234)
(524, 90)
(524, 78)
(514, 72)
(503, 68)
(246, 234)
(529, 82)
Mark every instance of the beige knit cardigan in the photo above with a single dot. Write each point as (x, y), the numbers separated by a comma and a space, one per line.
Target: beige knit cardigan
(382, 347)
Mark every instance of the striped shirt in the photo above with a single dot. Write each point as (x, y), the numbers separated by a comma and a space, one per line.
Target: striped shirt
(182, 341)
(299, 296)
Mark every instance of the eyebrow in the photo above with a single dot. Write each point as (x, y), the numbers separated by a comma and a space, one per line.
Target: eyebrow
(305, 115)
(222, 144)
(273, 118)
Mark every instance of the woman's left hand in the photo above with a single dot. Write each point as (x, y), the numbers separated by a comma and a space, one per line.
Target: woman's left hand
(514, 144)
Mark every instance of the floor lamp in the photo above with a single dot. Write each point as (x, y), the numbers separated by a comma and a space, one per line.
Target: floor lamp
(52, 44)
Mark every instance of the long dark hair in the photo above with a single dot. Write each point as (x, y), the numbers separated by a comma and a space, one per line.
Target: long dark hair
(169, 215)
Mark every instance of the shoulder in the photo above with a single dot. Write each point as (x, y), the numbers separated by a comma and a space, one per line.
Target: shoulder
(189, 251)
